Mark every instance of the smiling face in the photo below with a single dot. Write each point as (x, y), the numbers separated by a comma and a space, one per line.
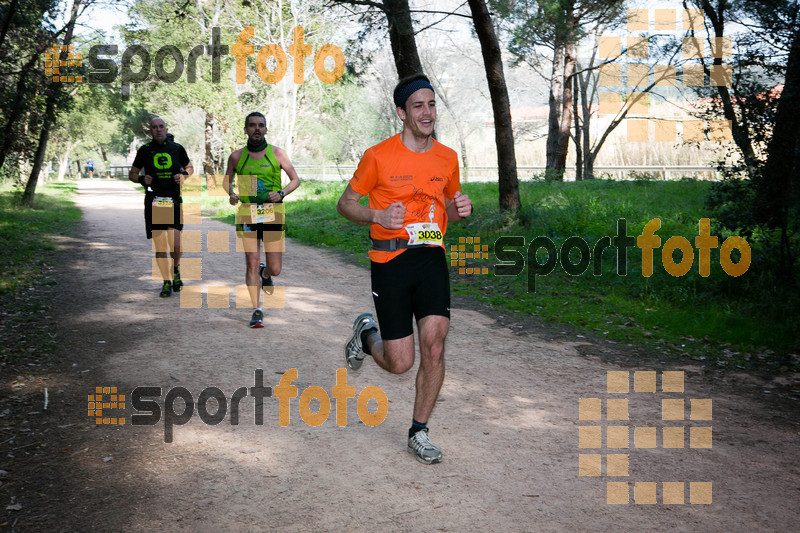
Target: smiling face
(158, 130)
(256, 129)
(419, 114)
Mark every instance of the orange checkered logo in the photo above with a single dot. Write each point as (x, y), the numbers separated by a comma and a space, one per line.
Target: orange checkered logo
(468, 248)
(106, 398)
(60, 58)
(618, 431)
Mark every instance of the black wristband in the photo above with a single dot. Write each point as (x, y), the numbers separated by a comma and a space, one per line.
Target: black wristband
(184, 172)
(141, 181)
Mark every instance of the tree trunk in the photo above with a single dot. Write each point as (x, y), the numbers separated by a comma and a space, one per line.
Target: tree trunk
(401, 36)
(49, 114)
(103, 153)
(208, 160)
(16, 110)
(578, 140)
(12, 8)
(565, 123)
(44, 136)
(401, 33)
(10, 134)
(105, 158)
(586, 106)
(63, 164)
(554, 101)
(462, 142)
(47, 170)
(739, 128)
(501, 108)
(778, 184)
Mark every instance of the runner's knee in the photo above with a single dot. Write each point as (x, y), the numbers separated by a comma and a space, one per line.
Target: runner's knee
(432, 353)
(399, 358)
(252, 261)
(399, 365)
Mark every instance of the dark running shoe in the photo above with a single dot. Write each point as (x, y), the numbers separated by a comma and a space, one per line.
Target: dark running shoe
(176, 281)
(266, 283)
(166, 289)
(257, 321)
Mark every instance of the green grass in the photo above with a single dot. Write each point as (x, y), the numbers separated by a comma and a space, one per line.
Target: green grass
(736, 321)
(24, 232)
(28, 254)
(311, 218)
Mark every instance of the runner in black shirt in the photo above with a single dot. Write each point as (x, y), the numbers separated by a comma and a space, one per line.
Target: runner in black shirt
(165, 165)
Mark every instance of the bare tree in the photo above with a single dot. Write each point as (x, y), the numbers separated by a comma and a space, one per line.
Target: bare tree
(401, 32)
(586, 88)
(558, 25)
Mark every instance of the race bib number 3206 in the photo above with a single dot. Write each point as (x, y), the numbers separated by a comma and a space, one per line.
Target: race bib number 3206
(262, 213)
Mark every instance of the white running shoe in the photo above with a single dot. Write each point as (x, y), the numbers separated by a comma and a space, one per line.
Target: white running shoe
(423, 448)
(353, 351)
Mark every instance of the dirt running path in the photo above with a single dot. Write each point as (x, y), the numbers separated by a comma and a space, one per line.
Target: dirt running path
(507, 419)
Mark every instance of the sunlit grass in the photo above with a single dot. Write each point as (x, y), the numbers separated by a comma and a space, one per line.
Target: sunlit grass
(692, 314)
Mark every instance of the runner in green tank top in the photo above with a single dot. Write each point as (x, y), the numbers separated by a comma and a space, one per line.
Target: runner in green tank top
(255, 173)
(267, 171)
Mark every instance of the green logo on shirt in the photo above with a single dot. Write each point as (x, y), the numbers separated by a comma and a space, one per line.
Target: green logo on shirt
(162, 161)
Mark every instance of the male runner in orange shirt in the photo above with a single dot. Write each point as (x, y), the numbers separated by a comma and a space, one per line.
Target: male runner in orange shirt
(413, 186)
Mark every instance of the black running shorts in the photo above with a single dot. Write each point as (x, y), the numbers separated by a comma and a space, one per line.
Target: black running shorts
(260, 228)
(174, 213)
(279, 225)
(414, 284)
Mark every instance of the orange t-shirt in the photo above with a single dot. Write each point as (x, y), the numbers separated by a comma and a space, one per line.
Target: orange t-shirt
(389, 172)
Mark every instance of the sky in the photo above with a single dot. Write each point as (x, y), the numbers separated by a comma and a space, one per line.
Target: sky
(104, 17)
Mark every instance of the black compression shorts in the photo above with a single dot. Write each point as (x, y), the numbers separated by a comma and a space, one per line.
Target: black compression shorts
(414, 284)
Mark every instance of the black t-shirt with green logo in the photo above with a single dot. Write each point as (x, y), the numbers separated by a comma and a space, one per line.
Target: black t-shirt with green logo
(162, 161)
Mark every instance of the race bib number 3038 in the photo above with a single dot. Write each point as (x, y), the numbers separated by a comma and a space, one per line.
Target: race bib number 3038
(424, 233)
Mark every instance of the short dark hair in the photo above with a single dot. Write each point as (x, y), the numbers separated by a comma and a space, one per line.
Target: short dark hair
(409, 85)
(254, 114)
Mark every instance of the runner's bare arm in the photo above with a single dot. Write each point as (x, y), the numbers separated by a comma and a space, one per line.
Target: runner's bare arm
(286, 165)
(349, 208)
(459, 207)
(230, 175)
(133, 175)
(189, 169)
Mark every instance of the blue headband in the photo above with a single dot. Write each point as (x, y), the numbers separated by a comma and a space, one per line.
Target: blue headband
(408, 90)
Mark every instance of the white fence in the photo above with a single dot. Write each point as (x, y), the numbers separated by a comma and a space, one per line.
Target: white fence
(488, 174)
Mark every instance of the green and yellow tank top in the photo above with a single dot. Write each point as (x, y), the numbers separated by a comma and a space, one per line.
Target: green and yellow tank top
(257, 177)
